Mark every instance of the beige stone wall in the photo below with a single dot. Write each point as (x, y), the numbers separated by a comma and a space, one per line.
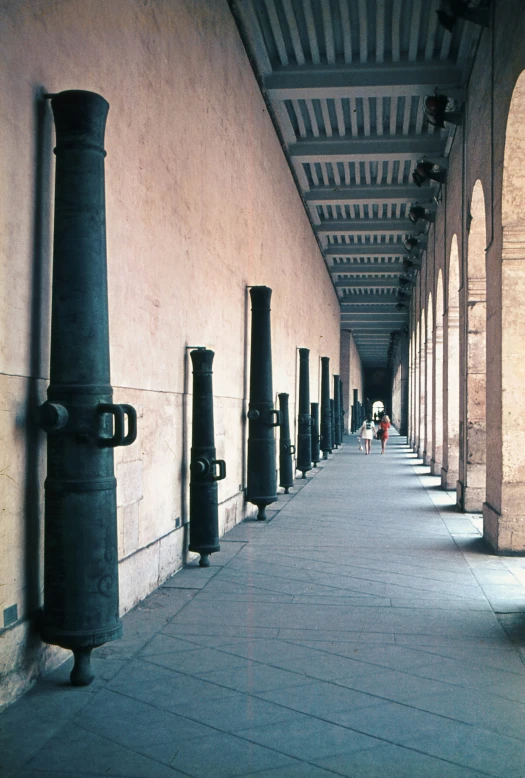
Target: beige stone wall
(478, 156)
(200, 203)
(352, 374)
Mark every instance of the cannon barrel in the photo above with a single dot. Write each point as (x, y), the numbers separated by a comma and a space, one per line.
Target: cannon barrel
(205, 468)
(341, 409)
(316, 453)
(304, 434)
(337, 411)
(326, 416)
(286, 449)
(262, 477)
(83, 425)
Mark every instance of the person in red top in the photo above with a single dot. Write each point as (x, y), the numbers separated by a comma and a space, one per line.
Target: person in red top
(384, 425)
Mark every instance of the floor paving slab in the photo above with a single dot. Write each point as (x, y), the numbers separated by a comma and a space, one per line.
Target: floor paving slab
(360, 632)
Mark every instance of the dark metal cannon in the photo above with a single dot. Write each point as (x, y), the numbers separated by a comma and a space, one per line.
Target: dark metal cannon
(316, 453)
(81, 609)
(304, 434)
(355, 412)
(326, 420)
(286, 449)
(262, 477)
(204, 510)
(341, 409)
(332, 422)
(337, 411)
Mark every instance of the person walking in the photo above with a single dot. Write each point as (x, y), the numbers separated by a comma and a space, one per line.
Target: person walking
(367, 432)
(384, 426)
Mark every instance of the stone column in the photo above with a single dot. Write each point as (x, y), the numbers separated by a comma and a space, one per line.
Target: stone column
(423, 386)
(450, 468)
(504, 509)
(472, 460)
(417, 387)
(436, 462)
(429, 405)
(403, 429)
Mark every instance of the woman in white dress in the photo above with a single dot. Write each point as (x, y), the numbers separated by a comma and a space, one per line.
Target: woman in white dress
(367, 432)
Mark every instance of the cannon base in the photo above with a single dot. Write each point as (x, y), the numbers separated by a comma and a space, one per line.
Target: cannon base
(82, 673)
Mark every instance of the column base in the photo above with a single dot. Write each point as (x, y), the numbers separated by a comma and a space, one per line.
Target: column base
(505, 534)
(449, 479)
(435, 467)
(473, 497)
(427, 459)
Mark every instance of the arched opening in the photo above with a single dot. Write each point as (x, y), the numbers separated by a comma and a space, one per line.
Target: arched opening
(437, 420)
(422, 396)
(471, 484)
(429, 405)
(504, 510)
(450, 469)
(378, 409)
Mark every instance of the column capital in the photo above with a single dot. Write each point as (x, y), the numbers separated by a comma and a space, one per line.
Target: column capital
(513, 242)
(477, 290)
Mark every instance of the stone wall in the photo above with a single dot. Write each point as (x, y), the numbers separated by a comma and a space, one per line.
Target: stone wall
(352, 375)
(200, 204)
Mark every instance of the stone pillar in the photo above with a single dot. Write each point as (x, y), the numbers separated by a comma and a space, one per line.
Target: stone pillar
(450, 468)
(429, 405)
(472, 459)
(504, 509)
(417, 388)
(436, 462)
(412, 387)
(423, 387)
(403, 429)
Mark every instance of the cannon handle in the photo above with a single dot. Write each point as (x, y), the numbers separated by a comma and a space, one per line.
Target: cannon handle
(278, 418)
(131, 413)
(222, 469)
(118, 412)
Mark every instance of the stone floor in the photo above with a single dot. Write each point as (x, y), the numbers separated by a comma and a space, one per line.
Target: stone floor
(363, 631)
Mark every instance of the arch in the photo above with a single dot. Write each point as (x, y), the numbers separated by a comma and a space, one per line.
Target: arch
(472, 465)
(378, 408)
(513, 193)
(429, 370)
(504, 510)
(437, 415)
(450, 469)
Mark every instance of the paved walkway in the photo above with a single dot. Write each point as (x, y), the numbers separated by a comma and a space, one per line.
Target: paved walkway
(363, 631)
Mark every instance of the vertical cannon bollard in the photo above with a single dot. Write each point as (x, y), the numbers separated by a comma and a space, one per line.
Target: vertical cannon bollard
(332, 421)
(304, 434)
(81, 609)
(316, 453)
(337, 411)
(341, 409)
(355, 412)
(262, 478)
(204, 509)
(326, 422)
(286, 449)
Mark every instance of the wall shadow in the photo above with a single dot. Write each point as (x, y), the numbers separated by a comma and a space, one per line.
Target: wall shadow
(40, 304)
